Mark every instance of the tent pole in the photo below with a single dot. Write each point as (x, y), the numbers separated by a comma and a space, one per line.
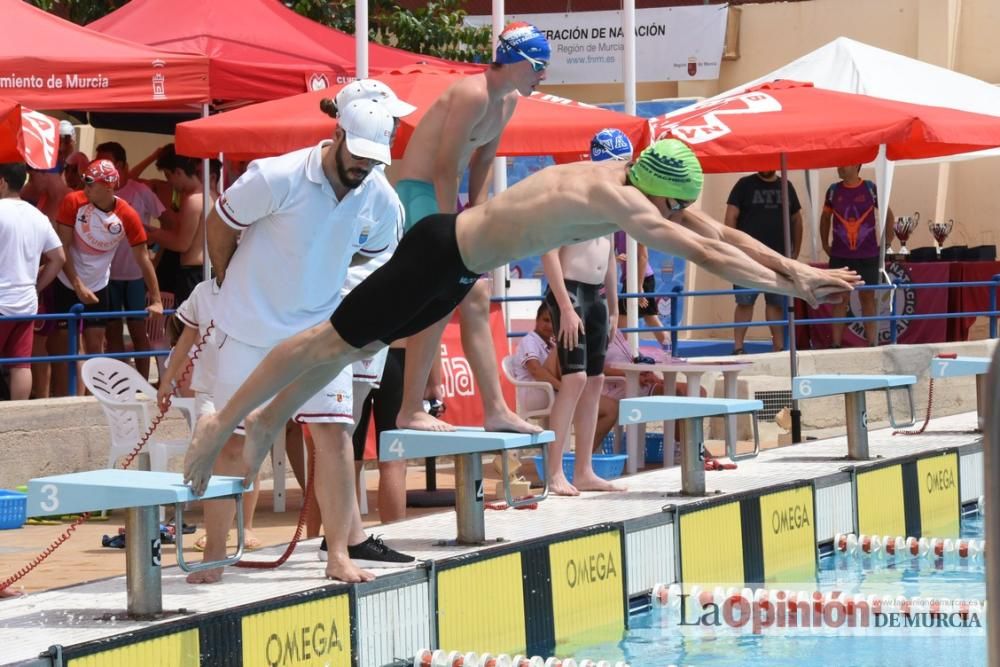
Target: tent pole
(361, 39)
(500, 275)
(632, 279)
(793, 366)
(206, 207)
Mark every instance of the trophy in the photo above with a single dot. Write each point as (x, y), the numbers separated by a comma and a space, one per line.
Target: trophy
(940, 231)
(903, 227)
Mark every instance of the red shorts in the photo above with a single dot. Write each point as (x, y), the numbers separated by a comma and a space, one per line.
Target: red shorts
(15, 341)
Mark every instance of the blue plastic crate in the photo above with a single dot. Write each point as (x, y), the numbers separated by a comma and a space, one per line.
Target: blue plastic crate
(13, 509)
(606, 466)
(654, 446)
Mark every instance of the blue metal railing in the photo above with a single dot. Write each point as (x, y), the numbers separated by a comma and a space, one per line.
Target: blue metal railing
(674, 295)
(76, 315)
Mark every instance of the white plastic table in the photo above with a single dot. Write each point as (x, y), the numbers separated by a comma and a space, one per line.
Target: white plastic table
(693, 372)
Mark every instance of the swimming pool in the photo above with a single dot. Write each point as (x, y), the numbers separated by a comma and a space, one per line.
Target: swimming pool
(654, 638)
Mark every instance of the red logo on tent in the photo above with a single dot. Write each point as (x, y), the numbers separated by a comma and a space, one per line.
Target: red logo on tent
(317, 81)
(692, 66)
(708, 122)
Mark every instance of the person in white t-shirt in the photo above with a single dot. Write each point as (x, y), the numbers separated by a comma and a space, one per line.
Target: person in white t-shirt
(127, 290)
(532, 360)
(91, 224)
(305, 217)
(26, 239)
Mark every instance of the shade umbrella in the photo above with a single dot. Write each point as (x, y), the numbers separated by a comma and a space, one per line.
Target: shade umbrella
(27, 136)
(541, 125)
(794, 125)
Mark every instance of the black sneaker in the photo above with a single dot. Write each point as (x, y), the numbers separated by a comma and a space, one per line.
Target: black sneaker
(371, 553)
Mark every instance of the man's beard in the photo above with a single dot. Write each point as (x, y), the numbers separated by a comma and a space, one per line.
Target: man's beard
(349, 177)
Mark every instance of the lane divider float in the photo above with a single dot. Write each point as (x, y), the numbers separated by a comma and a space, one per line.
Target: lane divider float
(439, 658)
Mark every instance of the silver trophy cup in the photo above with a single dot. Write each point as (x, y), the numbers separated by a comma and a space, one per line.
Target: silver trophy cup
(903, 228)
(940, 232)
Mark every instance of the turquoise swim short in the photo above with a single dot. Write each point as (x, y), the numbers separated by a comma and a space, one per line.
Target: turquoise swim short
(418, 200)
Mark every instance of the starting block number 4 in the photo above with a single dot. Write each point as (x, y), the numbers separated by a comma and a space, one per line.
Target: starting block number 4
(396, 448)
(805, 387)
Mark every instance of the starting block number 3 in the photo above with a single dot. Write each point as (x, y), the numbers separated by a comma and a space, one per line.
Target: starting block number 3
(396, 448)
(51, 493)
(805, 387)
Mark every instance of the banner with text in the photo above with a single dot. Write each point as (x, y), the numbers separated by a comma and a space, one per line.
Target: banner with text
(672, 43)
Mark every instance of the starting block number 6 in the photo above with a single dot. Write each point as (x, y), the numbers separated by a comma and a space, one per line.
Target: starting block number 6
(805, 387)
(396, 448)
(51, 502)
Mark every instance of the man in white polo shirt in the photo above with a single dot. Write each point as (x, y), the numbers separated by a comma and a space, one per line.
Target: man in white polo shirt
(305, 218)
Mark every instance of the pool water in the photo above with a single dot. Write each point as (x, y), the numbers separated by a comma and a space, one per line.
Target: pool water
(653, 638)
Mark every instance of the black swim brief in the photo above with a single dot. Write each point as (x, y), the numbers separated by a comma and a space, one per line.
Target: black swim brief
(421, 284)
(592, 345)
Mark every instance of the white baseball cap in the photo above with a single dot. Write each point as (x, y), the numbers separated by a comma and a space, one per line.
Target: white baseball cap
(368, 126)
(66, 129)
(371, 89)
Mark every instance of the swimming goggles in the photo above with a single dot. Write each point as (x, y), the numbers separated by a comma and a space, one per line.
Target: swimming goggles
(536, 64)
(678, 204)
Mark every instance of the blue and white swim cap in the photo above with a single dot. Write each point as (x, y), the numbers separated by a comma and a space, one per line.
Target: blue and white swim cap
(524, 38)
(610, 144)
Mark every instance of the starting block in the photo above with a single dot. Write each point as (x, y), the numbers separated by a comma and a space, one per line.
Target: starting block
(467, 446)
(943, 367)
(853, 387)
(140, 493)
(690, 411)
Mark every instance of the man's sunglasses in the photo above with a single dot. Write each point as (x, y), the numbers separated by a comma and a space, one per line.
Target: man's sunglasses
(536, 64)
(678, 204)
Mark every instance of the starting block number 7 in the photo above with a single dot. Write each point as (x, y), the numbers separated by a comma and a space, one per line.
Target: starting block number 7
(805, 387)
(396, 448)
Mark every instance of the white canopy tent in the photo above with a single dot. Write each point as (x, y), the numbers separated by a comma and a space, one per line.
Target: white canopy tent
(850, 66)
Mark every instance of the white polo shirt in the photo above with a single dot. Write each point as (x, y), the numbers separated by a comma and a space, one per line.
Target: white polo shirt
(25, 235)
(197, 312)
(298, 241)
(356, 274)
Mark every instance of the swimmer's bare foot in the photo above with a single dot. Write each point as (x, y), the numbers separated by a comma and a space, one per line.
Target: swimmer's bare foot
(260, 435)
(212, 576)
(560, 486)
(591, 482)
(421, 421)
(341, 568)
(214, 550)
(508, 421)
(206, 443)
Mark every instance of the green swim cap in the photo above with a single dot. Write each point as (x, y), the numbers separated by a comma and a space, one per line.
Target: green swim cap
(667, 168)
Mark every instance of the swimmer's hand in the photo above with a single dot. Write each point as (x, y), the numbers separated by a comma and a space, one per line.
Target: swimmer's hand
(818, 286)
(570, 328)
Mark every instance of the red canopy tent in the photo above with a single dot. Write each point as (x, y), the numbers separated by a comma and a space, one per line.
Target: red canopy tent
(259, 49)
(49, 63)
(816, 128)
(27, 136)
(542, 124)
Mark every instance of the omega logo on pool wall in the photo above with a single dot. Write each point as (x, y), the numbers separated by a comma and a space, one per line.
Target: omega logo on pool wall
(590, 568)
(791, 518)
(302, 644)
(940, 480)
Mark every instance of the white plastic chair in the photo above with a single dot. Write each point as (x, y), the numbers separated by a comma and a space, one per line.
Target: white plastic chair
(115, 385)
(542, 413)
